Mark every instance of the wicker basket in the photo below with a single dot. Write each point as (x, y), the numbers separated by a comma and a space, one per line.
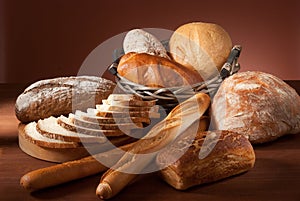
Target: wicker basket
(170, 97)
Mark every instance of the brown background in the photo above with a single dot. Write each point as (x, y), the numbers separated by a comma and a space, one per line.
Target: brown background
(41, 39)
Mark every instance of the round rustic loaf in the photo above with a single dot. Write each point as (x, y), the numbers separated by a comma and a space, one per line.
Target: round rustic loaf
(202, 46)
(258, 105)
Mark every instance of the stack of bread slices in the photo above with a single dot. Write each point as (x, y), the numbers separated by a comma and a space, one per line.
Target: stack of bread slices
(120, 119)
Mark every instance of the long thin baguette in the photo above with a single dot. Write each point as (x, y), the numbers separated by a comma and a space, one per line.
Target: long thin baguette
(145, 150)
(72, 170)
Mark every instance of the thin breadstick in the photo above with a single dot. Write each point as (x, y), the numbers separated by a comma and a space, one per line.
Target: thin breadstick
(138, 157)
(72, 170)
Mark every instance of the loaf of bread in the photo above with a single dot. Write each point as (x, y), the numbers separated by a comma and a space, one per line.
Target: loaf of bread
(54, 97)
(63, 146)
(156, 71)
(201, 46)
(258, 105)
(140, 41)
(207, 157)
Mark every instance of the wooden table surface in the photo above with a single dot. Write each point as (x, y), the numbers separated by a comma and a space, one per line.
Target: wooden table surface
(276, 175)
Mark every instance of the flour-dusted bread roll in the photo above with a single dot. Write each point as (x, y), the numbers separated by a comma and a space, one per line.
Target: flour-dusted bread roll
(155, 71)
(207, 157)
(258, 105)
(140, 41)
(201, 46)
(58, 96)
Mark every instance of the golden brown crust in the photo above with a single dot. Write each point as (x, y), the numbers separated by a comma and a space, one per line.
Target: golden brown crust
(258, 105)
(201, 46)
(54, 97)
(210, 156)
(156, 71)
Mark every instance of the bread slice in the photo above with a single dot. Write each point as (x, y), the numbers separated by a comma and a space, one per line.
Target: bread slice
(39, 146)
(123, 97)
(50, 128)
(117, 108)
(91, 118)
(30, 133)
(135, 103)
(116, 114)
(69, 125)
(96, 125)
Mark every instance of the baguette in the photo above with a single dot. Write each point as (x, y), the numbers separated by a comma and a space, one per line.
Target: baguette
(72, 170)
(126, 169)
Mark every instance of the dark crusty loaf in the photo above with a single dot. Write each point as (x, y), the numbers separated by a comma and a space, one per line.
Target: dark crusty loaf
(258, 105)
(207, 157)
(53, 97)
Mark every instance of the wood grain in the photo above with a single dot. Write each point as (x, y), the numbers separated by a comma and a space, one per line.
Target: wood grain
(276, 175)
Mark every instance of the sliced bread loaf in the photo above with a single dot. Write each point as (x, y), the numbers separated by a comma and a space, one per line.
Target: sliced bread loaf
(104, 128)
(124, 97)
(30, 133)
(79, 115)
(117, 108)
(136, 103)
(50, 128)
(115, 114)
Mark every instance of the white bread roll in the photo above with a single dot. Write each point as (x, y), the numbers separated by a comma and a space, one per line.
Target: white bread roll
(201, 46)
(140, 41)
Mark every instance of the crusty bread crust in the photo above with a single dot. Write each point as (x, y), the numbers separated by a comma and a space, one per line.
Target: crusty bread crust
(258, 105)
(54, 97)
(210, 156)
(155, 71)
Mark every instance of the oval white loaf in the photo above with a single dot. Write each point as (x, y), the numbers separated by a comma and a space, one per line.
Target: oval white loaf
(258, 105)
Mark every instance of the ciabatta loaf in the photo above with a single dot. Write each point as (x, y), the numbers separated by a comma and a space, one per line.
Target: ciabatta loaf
(258, 105)
(207, 157)
(58, 96)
